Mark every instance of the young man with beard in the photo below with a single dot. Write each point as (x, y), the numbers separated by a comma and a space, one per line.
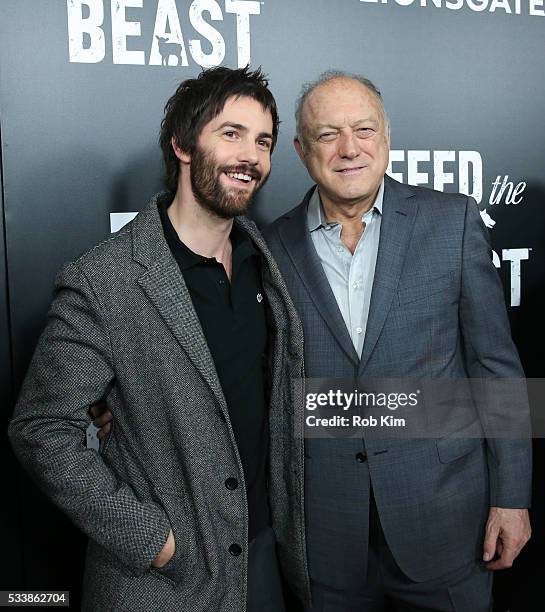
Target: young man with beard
(182, 323)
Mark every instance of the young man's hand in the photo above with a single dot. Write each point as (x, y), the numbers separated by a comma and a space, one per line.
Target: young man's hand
(166, 554)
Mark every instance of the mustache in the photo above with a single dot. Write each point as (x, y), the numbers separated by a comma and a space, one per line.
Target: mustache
(242, 169)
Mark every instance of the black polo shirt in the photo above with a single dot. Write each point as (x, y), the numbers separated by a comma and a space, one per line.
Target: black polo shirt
(232, 316)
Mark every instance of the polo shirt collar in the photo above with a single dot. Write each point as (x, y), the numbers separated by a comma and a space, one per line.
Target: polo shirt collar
(242, 245)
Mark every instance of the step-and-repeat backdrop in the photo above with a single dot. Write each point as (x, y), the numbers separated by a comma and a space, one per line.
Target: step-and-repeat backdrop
(82, 88)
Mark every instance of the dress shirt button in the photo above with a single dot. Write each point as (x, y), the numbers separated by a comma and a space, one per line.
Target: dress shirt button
(361, 457)
(339, 249)
(231, 484)
(359, 330)
(235, 549)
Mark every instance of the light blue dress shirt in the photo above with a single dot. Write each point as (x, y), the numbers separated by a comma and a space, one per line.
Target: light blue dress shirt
(350, 276)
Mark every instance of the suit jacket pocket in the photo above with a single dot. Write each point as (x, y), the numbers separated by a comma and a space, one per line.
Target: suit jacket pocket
(419, 290)
(450, 449)
(177, 510)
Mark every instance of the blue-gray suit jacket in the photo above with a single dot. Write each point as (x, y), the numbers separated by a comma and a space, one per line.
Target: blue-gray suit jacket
(437, 311)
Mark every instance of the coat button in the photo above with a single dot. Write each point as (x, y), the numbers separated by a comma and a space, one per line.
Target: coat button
(231, 484)
(361, 457)
(235, 549)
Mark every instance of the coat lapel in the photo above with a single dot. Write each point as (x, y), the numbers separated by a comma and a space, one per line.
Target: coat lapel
(165, 286)
(298, 244)
(398, 216)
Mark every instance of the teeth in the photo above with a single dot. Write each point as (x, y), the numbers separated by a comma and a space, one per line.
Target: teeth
(239, 176)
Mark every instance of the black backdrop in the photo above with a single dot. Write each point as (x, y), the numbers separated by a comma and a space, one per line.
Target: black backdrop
(82, 88)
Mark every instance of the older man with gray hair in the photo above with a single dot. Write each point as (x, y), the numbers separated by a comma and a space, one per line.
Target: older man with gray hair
(390, 281)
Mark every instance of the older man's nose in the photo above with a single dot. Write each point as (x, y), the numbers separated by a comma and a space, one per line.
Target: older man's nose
(348, 147)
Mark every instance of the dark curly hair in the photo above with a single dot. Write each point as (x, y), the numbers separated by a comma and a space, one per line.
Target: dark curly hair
(197, 101)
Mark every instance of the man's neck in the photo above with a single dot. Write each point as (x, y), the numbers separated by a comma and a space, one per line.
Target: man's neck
(350, 216)
(347, 214)
(200, 230)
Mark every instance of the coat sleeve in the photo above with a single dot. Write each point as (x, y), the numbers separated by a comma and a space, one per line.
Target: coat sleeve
(493, 365)
(71, 368)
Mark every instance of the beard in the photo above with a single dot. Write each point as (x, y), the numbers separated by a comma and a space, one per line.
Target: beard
(205, 174)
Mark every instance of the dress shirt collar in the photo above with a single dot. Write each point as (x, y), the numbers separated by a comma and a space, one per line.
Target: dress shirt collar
(316, 215)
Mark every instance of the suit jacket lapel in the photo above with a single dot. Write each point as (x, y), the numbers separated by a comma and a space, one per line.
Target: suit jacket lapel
(298, 244)
(167, 291)
(398, 215)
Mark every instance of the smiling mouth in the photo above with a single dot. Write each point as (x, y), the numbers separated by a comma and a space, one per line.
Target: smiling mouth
(240, 177)
(350, 170)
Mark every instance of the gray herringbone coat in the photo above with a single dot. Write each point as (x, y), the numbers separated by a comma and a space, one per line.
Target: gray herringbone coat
(122, 325)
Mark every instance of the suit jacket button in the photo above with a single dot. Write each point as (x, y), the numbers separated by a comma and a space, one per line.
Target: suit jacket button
(231, 484)
(235, 549)
(361, 457)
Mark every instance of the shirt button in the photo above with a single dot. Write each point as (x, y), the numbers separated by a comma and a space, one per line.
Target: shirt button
(235, 549)
(359, 330)
(361, 457)
(231, 484)
(339, 249)
(355, 285)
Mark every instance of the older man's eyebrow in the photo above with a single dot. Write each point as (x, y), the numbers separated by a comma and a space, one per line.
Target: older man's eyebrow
(330, 126)
(325, 126)
(366, 120)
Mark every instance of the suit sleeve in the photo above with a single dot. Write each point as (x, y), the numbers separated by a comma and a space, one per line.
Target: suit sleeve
(491, 355)
(71, 368)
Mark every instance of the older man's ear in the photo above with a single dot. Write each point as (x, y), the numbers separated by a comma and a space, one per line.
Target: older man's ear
(299, 148)
(102, 418)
